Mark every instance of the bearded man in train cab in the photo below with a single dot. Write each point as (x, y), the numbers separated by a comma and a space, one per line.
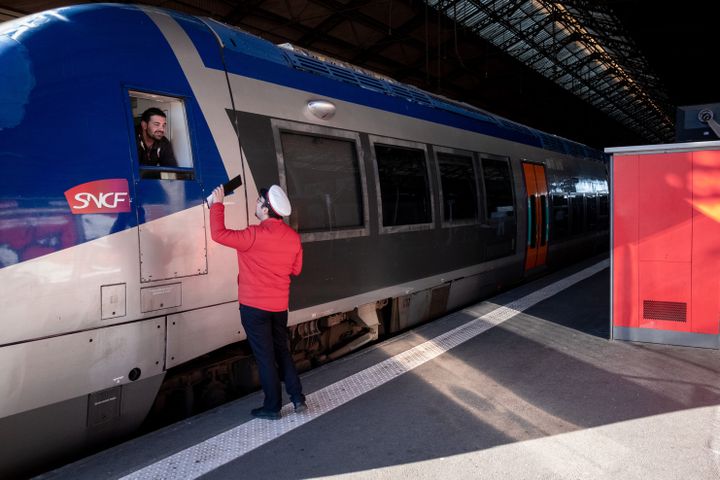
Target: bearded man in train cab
(267, 255)
(154, 149)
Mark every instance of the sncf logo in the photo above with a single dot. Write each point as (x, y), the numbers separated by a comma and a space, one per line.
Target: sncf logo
(100, 196)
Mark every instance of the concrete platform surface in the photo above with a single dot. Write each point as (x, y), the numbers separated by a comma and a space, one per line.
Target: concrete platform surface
(524, 386)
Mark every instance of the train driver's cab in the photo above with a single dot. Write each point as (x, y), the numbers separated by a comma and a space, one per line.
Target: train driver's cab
(163, 142)
(168, 196)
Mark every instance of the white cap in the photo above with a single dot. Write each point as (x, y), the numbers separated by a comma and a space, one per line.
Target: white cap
(279, 202)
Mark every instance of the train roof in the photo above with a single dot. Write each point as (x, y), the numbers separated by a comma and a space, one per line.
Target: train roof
(417, 102)
(307, 61)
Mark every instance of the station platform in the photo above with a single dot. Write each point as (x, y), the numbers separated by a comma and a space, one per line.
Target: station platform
(523, 386)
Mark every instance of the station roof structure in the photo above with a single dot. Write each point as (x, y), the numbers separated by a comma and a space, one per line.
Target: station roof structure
(605, 72)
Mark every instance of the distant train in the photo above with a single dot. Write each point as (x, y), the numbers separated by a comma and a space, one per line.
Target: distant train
(114, 297)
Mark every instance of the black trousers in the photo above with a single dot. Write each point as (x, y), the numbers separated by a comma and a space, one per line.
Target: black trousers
(267, 334)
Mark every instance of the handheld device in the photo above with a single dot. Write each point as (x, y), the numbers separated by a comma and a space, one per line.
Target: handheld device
(228, 188)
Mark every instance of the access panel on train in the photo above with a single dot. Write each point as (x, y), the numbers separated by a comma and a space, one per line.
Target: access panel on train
(665, 247)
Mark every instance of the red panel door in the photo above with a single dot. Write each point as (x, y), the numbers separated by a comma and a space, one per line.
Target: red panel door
(537, 214)
(665, 241)
(705, 243)
(625, 241)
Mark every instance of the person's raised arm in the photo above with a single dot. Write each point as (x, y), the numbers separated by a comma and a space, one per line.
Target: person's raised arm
(239, 239)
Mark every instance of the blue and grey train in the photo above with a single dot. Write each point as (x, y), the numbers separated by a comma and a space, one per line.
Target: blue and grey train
(115, 299)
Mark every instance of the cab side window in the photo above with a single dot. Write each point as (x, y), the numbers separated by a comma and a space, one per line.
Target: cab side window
(161, 136)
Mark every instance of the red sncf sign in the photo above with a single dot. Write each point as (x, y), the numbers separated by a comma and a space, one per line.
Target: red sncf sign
(100, 196)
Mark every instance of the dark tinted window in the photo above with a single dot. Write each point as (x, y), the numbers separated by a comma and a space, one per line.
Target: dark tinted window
(459, 189)
(404, 186)
(592, 212)
(560, 227)
(323, 180)
(497, 180)
(604, 212)
(578, 214)
(498, 188)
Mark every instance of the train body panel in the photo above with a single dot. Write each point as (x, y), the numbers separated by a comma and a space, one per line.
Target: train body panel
(88, 357)
(139, 286)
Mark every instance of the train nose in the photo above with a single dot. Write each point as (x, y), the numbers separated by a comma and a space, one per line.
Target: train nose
(16, 81)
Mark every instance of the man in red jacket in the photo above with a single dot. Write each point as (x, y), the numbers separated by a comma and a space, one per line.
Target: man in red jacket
(267, 255)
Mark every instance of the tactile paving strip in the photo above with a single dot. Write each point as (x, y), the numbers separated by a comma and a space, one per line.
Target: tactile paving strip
(227, 446)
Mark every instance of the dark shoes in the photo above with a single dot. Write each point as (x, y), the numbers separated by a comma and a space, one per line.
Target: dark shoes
(300, 406)
(267, 414)
(262, 412)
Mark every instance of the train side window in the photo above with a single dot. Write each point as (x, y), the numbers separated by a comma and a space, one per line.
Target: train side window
(592, 212)
(604, 211)
(560, 218)
(163, 151)
(404, 187)
(500, 214)
(323, 180)
(458, 188)
(498, 189)
(577, 220)
(322, 171)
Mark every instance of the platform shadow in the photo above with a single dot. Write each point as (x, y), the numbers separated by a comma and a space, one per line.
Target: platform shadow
(526, 379)
(584, 307)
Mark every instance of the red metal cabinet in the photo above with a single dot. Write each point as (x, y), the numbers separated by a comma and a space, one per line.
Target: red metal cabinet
(666, 244)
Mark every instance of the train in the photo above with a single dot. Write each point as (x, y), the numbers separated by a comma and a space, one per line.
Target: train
(114, 299)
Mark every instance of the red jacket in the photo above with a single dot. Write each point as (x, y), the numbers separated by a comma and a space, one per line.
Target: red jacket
(267, 255)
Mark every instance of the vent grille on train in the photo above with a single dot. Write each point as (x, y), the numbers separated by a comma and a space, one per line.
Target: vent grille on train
(669, 311)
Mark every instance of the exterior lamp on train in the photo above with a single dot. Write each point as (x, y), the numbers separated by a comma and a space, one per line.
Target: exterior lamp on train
(321, 109)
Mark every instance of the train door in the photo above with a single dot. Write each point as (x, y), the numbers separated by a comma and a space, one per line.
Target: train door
(171, 228)
(537, 215)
